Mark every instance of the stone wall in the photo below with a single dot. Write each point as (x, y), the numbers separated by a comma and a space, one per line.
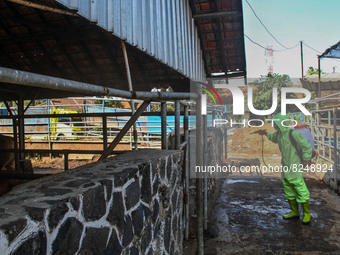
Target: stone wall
(130, 204)
(329, 178)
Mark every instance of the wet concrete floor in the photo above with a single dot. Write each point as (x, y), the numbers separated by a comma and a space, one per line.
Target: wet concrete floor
(247, 219)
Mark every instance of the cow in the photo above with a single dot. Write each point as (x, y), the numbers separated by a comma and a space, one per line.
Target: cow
(7, 161)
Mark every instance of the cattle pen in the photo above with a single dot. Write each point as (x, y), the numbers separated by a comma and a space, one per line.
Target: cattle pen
(113, 48)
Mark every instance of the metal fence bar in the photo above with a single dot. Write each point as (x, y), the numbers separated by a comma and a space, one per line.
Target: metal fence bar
(104, 124)
(163, 125)
(199, 194)
(186, 173)
(49, 127)
(225, 140)
(177, 125)
(107, 114)
(124, 130)
(335, 150)
(65, 161)
(21, 131)
(13, 76)
(205, 180)
(15, 141)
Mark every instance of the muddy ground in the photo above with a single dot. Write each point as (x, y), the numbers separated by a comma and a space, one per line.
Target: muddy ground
(247, 219)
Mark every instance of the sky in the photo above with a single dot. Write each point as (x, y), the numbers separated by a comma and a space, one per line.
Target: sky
(315, 22)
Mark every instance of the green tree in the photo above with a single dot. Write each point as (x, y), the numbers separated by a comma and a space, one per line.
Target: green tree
(263, 91)
(311, 70)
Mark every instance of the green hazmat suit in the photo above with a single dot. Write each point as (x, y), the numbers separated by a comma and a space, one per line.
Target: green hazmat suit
(293, 184)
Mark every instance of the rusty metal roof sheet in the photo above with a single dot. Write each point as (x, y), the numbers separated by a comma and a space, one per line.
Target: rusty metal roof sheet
(77, 48)
(220, 25)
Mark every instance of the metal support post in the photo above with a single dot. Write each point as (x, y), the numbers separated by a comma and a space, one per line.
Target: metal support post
(213, 116)
(199, 161)
(335, 151)
(186, 172)
(49, 127)
(163, 125)
(104, 124)
(301, 52)
(225, 138)
(15, 140)
(128, 74)
(65, 161)
(177, 125)
(205, 180)
(21, 129)
(15, 137)
(124, 130)
(85, 119)
(319, 76)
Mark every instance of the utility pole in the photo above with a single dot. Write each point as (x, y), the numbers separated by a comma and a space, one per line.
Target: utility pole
(319, 76)
(301, 43)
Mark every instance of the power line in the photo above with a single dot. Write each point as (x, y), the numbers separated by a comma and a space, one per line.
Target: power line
(287, 48)
(311, 47)
(337, 60)
(256, 43)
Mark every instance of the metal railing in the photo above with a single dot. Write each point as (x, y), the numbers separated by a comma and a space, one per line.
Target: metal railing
(102, 128)
(93, 127)
(323, 130)
(326, 132)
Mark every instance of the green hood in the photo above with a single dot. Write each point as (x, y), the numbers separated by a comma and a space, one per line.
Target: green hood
(289, 153)
(278, 118)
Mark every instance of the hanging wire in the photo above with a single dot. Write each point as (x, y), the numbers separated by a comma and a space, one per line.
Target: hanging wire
(287, 48)
(337, 60)
(266, 47)
(311, 47)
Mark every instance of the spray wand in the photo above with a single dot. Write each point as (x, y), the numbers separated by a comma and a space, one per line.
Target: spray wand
(260, 132)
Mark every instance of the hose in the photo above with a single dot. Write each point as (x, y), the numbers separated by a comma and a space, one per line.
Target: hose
(264, 162)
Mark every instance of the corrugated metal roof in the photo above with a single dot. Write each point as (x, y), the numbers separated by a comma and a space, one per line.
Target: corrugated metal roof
(166, 46)
(332, 52)
(162, 29)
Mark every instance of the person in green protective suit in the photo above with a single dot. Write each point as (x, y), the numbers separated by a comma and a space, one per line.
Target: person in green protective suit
(294, 186)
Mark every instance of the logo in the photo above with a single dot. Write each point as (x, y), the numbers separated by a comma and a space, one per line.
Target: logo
(239, 100)
(204, 96)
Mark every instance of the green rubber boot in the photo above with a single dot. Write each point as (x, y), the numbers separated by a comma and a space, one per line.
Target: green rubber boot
(294, 214)
(306, 214)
